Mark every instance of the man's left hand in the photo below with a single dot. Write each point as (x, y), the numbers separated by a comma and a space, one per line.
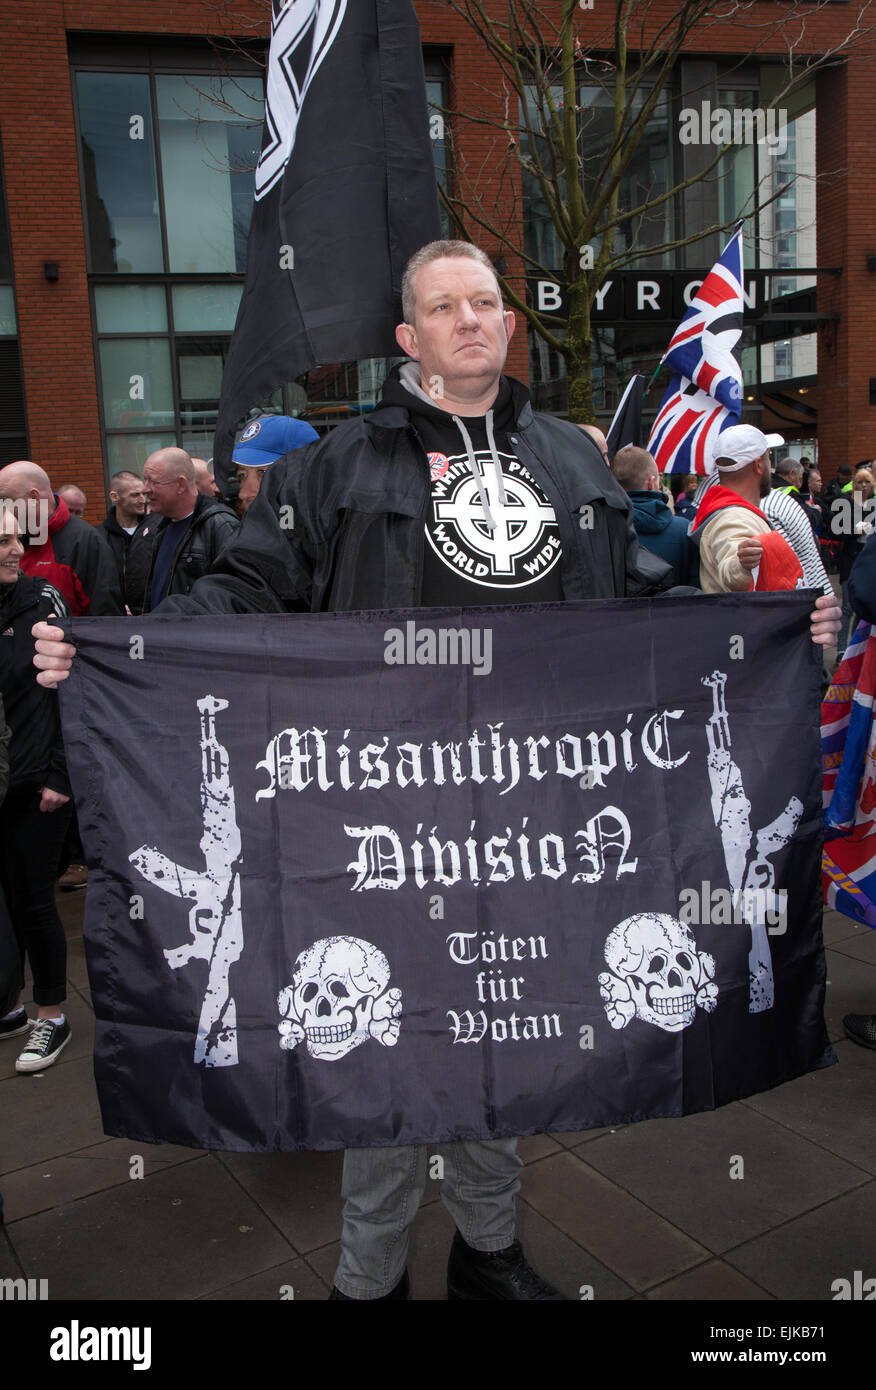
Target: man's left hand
(826, 621)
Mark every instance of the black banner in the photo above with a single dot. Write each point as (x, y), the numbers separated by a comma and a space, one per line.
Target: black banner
(385, 878)
(345, 193)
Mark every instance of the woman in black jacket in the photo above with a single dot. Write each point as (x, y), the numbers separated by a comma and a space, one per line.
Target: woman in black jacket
(36, 812)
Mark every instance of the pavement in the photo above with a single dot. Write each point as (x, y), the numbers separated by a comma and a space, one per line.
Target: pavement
(646, 1211)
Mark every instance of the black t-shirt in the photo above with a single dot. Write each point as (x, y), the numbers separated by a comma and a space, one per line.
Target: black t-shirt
(468, 562)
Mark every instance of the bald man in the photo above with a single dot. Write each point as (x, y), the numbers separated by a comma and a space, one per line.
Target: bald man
(184, 532)
(62, 549)
(599, 440)
(75, 499)
(204, 480)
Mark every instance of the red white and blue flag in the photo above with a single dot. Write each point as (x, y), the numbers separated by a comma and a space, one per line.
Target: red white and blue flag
(704, 396)
(848, 745)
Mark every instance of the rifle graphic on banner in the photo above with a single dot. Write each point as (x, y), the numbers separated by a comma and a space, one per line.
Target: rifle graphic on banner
(752, 880)
(214, 918)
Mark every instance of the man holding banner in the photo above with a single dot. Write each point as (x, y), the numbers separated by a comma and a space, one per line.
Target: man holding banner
(452, 492)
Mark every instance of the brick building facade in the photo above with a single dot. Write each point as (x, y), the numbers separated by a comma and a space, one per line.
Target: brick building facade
(65, 423)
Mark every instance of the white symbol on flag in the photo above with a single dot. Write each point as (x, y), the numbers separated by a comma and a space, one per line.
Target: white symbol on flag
(295, 22)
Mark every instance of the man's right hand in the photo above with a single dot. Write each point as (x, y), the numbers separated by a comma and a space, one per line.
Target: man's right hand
(54, 656)
(749, 553)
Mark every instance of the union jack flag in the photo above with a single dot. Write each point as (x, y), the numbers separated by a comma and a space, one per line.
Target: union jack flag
(848, 746)
(704, 396)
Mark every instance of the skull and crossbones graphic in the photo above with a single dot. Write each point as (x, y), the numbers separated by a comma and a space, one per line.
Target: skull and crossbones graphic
(339, 998)
(655, 973)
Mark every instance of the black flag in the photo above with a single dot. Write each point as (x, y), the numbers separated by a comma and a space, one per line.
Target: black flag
(388, 878)
(345, 193)
(626, 427)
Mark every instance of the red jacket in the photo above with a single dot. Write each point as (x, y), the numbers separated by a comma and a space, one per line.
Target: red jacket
(779, 567)
(78, 563)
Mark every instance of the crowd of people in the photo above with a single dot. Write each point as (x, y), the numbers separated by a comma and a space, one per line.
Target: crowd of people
(369, 534)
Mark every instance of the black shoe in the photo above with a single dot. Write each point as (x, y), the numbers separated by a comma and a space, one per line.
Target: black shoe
(11, 1027)
(401, 1291)
(47, 1042)
(475, 1274)
(861, 1028)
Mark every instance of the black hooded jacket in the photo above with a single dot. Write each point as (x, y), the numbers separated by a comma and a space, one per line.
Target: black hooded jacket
(119, 542)
(36, 753)
(339, 525)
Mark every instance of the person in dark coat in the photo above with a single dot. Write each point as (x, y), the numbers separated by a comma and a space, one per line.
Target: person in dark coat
(358, 520)
(35, 815)
(122, 523)
(183, 534)
(656, 527)
(62, 550)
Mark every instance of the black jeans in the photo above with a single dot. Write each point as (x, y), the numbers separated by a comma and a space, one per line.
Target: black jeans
(31, 842)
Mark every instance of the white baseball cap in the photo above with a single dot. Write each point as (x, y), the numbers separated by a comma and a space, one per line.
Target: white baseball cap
(743, 444)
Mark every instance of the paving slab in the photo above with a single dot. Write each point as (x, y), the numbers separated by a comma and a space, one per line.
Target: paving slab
(536, 1146)
(803, 1258)
(179, 1234)
(573, 1138)
(300, 1192)
(48, 1113)
(835, 1108)
(860, 948)
(10, 1267)
(67, 1177)
(291, 1282)
(573, 1270)
(618, 1230)
(783, 1174)
(835, 926)
(77, 972)
(851, 989)
(714, 1281)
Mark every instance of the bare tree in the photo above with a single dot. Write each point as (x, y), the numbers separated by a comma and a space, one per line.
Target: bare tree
(576, 158)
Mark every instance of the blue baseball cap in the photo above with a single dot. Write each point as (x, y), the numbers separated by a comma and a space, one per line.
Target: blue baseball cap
(263, 441)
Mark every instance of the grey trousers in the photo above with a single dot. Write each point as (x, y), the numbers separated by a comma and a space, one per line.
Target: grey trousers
(382, 1189)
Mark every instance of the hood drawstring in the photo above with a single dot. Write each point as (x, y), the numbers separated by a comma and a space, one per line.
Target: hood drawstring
(476, 472)
(500, 477)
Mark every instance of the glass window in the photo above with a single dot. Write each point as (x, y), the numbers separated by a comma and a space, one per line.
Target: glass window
(205, 308)
(209, 134)
(199, 365)
(648, 177)
(131, 450)
(8, 323)
(130, 308)
(136, 380)
(736, 173)
(118, 170)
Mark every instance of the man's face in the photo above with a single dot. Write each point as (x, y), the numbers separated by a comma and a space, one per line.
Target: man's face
(130, 498)
(161, 489)
(766, 481)
(815, 482)
(250, 480)
(461, 332)
(204, 480)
